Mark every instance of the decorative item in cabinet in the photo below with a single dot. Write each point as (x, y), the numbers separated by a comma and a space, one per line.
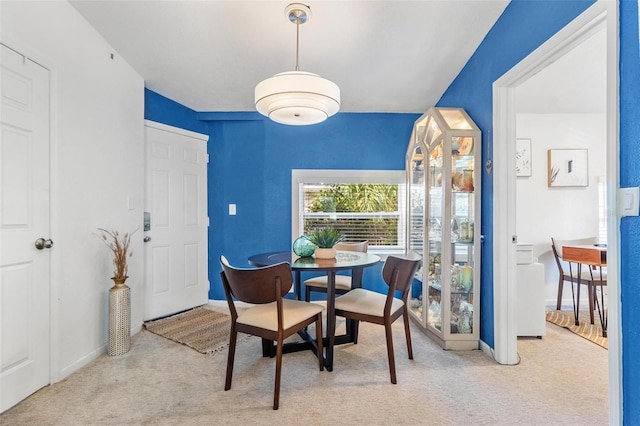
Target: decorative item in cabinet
(443, 165)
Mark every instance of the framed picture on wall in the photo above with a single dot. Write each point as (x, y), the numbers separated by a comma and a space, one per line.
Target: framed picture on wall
(523, 157)
(567, 167)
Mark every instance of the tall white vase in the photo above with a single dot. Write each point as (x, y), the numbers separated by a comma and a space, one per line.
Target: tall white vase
(119, 318)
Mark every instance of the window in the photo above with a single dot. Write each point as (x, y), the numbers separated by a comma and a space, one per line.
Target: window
(602, 209)
(362, 204)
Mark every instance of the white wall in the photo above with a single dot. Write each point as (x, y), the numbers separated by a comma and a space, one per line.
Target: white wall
(97, 162)
(566, 212)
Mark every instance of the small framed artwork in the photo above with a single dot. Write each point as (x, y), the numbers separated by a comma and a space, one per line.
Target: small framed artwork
(567, 167)
(523, 157)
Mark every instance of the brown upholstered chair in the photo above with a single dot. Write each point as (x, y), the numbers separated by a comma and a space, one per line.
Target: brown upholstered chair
(384, 309)
(343, 282)
(273, 318)
(588, 276)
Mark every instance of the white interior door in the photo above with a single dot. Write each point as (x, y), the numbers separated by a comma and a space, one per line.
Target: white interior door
(176, 255)
(24, 218)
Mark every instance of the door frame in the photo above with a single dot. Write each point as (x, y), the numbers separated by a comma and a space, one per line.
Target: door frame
(600, 15)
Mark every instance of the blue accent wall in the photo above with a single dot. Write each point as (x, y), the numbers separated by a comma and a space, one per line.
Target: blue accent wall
(523, 27)
(251, 163)
(630, 226)
(166, 111)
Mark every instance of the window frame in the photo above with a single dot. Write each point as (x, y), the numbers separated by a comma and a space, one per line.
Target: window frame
(602, 209)
(329, 176)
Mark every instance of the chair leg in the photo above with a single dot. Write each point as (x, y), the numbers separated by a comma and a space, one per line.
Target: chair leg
(276, 392)
(407, 333)
(319, 340)
(307, 294)
(392, 360)
(560, 286)
(231, 356)
(591, 289)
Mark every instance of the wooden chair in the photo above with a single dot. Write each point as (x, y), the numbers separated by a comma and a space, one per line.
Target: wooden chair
(369, 306)
(343, 282)
(588, 276)
(273, 318)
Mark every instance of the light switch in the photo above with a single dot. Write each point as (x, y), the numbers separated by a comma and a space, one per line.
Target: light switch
(130, 202)
(629, 201)
(232, 209)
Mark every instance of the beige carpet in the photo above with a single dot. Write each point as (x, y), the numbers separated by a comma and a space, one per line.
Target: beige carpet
(202, 329)
(591, 332)
(560, 380)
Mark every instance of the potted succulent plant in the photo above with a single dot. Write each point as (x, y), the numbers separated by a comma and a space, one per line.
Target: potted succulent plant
(325, 239)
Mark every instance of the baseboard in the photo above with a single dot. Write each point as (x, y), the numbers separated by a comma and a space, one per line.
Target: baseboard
(567, 304)
(484, 347)
(223, 303)
(82, 362)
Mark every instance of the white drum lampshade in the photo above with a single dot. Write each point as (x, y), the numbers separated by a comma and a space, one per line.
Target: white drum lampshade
(297, 98)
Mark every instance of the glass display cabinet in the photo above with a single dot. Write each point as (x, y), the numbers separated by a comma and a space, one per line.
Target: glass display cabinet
(443, 192)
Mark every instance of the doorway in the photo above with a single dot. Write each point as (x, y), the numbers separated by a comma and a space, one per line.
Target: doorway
(602, 15)
(176, 221)
(551, 116)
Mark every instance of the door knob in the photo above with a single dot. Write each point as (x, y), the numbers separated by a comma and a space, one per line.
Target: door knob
(41, 243)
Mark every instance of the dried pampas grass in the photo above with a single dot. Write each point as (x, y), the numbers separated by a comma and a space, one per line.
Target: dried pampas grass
(119, 246)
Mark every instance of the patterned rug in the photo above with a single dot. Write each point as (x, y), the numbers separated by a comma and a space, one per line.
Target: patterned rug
(202, 329)
(591, 332)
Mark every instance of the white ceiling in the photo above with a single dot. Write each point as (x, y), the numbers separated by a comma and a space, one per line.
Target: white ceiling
(576, 83)
(386, 56)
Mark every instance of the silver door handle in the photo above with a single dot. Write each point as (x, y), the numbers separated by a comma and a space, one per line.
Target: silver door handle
(41, 243)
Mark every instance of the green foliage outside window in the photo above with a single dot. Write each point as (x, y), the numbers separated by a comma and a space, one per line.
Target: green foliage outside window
(358, 199)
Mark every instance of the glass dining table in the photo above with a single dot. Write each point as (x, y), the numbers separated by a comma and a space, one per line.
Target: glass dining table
(344, 260)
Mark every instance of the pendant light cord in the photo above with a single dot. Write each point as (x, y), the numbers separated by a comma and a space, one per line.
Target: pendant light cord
(297, 45)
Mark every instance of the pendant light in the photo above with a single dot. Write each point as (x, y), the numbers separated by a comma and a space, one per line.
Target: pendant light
(297, 98)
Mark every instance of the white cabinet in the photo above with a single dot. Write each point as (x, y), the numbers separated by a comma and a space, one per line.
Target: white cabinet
(443, 193)
(530, 309)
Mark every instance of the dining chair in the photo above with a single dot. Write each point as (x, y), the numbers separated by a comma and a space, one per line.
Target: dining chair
(369, 306)
(343, 282)
(273, 317)
(588, 276)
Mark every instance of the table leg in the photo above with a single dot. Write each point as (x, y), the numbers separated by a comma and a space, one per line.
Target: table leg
(331, 319)
(602, 312)
(575, 295)
(297, 284)
(267, 345)
(352, 325)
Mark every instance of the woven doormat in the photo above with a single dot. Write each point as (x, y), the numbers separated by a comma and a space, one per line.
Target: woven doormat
(591, 332)
(202, 329)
